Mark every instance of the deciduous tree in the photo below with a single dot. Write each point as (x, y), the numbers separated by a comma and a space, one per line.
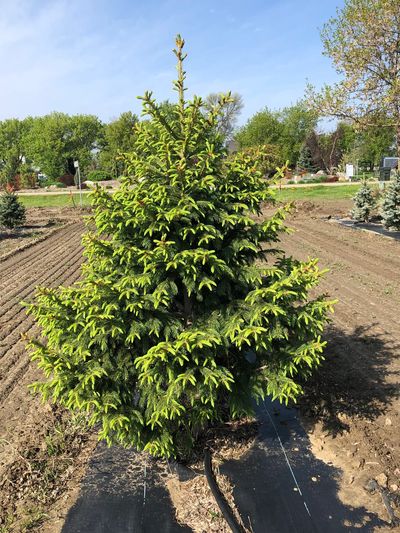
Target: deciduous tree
(363, 43)
(56, 139)
(119, 137)
(12, 135)
(228, 113)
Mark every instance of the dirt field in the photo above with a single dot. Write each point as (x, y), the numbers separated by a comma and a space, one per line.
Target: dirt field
(29, 431)
(351, 407)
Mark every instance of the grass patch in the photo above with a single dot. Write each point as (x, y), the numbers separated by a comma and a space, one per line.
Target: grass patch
(340, 192)
(54, 200)
(284, 195)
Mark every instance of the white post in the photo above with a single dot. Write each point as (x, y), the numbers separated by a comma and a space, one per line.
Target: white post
(78, 170)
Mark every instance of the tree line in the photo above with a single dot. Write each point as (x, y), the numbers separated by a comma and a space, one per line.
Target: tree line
(363, 44)
(50, 144)
(293, 131)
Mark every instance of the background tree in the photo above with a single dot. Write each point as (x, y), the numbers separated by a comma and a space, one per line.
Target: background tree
(177, 323)
(262, 128)
(287, 129)
(390, 209)
(297, 123)
(119, 137)
(327, 148)
(228, 113)
(370, 145)
(305, 160)
(363, 43)
(56, 139)
(12, 137)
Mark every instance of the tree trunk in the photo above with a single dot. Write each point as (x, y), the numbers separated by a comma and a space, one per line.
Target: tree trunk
(398, 143)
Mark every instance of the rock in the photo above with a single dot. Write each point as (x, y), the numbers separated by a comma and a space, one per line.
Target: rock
(352, 451)
(87, 184)
(388, 422)
(382, 479)
(314, 479)
(351, 480)
(394, 487)
(358, 465)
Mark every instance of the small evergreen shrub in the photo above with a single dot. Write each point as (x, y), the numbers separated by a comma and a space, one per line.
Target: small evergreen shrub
(98, 175)
(12, 212)
(186, 311)
(305, 161)
(364, 203)
(390, 209)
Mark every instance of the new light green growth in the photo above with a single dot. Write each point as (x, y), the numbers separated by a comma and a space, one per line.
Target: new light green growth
(186, 311)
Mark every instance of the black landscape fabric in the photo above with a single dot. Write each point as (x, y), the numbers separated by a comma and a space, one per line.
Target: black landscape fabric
(279, 487)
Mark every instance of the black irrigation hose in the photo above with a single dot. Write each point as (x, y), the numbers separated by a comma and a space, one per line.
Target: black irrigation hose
(219, 497)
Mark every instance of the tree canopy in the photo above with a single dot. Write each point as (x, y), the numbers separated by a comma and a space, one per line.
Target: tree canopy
(54, 140)
(118, 138)
(12, 149)
(287, 129)
(363, 43)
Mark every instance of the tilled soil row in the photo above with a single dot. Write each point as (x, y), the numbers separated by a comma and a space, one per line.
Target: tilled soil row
(352, 282)
(336, 250)
(32, 273)
(54, 264)
(15, 360)
(16, 313)
(28, 256)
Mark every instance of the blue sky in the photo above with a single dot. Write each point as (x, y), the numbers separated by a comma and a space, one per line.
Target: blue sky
(96, 56)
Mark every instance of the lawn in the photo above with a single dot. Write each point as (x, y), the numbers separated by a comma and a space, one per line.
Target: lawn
(317, 192)
(284, 195)
(54, 200)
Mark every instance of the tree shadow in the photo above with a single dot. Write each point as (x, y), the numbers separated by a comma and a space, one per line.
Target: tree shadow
(354, 380)
(15, 235)
(281, 487)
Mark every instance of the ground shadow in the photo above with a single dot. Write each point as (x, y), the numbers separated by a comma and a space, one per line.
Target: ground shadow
(281, 487)
(18, 234)
(353, 379)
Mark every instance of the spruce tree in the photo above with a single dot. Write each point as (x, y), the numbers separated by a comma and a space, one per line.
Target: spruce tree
(186, 311)
(390, 209)
(305, 161)
(12, 212)
(364, 203)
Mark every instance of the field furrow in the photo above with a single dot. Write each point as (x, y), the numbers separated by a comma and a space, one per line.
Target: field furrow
(55, 261)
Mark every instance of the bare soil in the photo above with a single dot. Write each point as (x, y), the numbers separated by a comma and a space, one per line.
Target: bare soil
(40, 223)
(40, 446)
(350, 407)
